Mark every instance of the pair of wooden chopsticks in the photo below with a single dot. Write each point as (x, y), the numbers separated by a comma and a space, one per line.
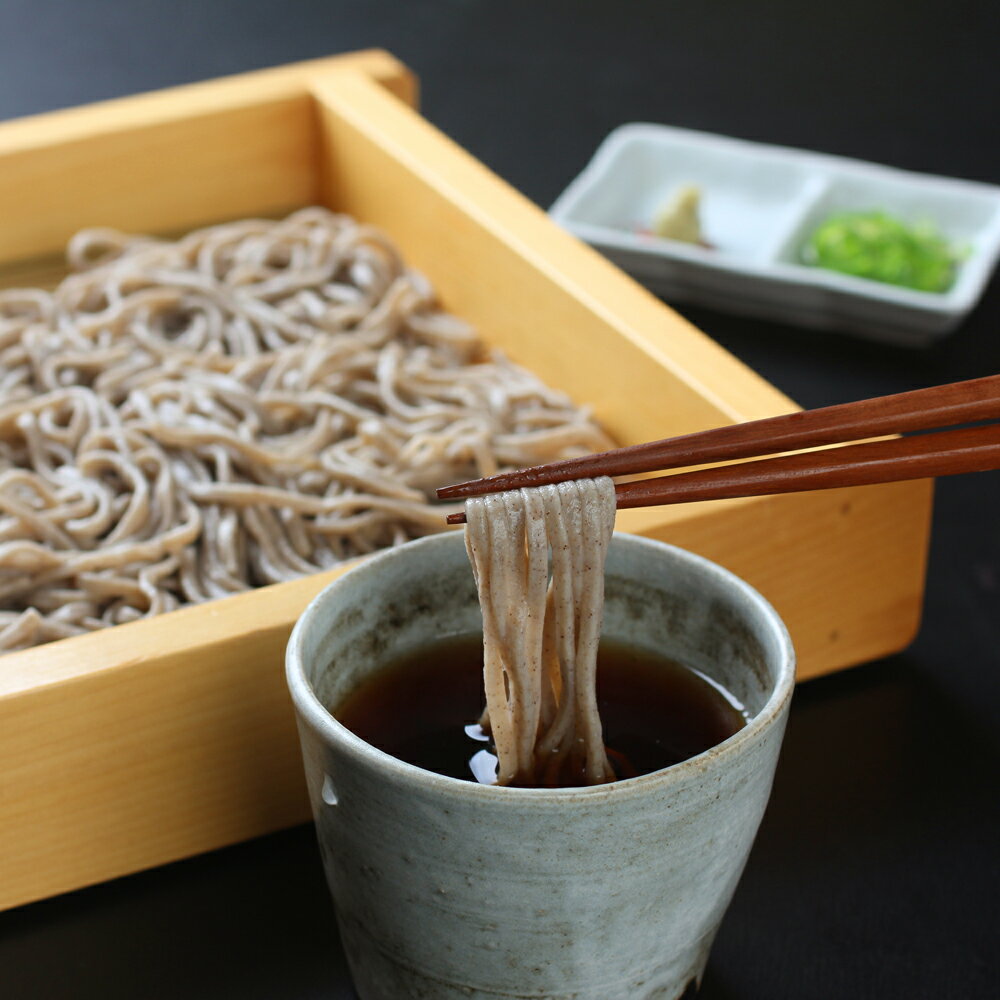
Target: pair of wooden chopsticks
(944, 453)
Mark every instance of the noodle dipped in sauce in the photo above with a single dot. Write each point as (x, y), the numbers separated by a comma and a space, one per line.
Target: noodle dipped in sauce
(564, 707)
(540, 636)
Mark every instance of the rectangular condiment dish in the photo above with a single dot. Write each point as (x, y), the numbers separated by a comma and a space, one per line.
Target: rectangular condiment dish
(760, 203)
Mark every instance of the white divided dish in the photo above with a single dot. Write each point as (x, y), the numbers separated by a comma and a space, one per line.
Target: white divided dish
(759, 205)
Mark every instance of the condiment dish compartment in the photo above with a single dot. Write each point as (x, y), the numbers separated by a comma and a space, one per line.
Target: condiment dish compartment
(749, 202)
(759, 205)
(968, 220)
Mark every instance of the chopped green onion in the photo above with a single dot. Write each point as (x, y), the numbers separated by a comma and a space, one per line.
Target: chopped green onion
(877, 246)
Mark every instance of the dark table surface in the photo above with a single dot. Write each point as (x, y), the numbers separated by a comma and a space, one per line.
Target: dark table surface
(876, 870)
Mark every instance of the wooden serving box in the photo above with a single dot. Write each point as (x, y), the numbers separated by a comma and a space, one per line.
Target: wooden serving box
(153, 741)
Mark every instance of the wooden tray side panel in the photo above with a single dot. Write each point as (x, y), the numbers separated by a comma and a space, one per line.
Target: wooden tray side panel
(174, 742)
(172, 160)
(179, 741)
(844, 568)
(223, 162)
(496, 259)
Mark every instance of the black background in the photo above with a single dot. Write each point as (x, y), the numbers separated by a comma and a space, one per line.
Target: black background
(876, 870)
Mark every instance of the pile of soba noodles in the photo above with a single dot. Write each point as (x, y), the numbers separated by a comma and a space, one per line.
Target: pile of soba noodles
(180, 421)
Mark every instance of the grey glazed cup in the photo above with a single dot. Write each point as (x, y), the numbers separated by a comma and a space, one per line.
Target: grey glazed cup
(446, 889)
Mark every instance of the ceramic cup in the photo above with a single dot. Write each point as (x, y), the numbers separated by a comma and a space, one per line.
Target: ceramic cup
(449, 890)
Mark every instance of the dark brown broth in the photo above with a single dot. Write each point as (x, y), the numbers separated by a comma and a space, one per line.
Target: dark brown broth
(420, 707)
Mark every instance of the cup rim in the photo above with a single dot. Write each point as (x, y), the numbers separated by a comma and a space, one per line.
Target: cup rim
(308, 705)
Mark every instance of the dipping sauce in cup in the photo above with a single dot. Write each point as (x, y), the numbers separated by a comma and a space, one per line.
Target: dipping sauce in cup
(426, 708)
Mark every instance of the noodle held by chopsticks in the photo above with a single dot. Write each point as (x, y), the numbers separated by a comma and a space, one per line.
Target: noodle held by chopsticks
(184, 420)
(540, 637)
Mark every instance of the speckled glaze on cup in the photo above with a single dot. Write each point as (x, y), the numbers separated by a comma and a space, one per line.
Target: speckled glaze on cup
(446, 889)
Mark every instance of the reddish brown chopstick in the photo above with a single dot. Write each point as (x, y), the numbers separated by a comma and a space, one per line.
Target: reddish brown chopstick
(974, 449)
(922, 409)
(940, 454)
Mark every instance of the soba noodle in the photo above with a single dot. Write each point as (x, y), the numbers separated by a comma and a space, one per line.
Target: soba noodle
(540, 637)
(180, 421)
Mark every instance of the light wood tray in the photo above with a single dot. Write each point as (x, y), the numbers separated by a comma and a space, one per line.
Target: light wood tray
(157, 740)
